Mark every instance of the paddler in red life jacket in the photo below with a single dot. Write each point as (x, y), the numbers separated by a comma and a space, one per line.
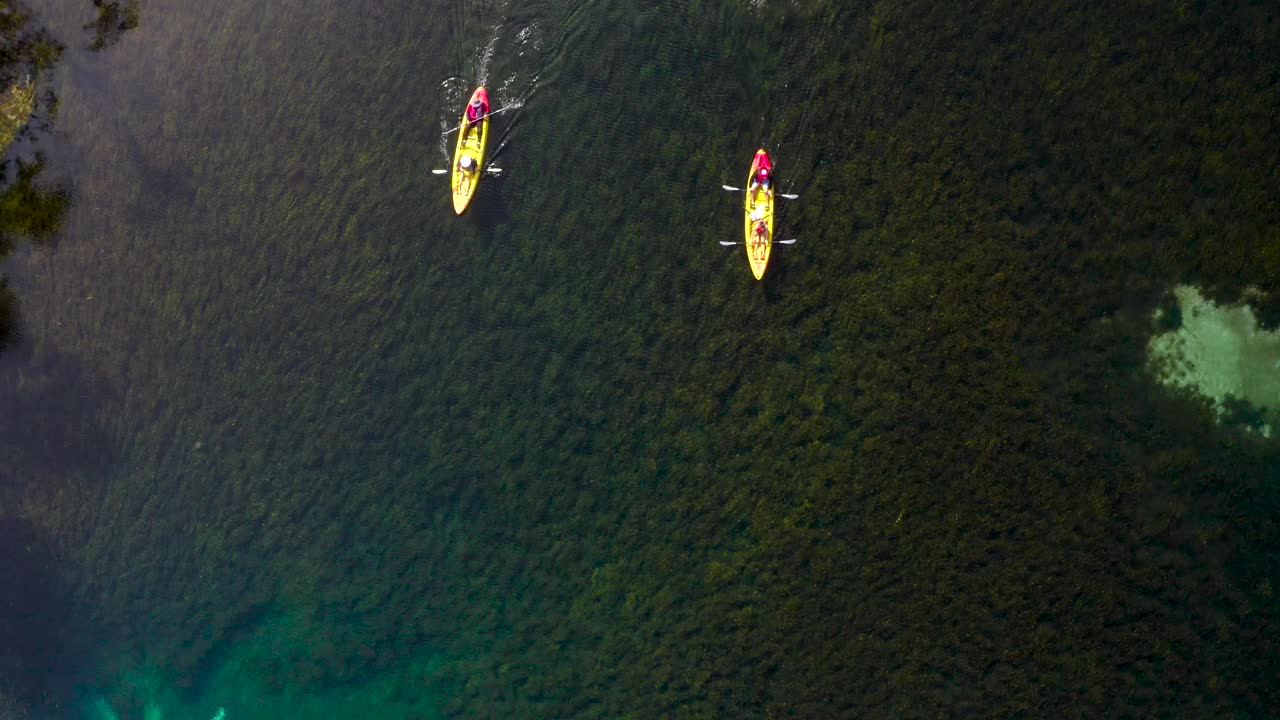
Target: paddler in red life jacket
(762, 178)
(476, 112)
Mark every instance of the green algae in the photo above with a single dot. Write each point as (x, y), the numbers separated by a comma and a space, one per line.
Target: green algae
(113, 19)
(30, 209)
(598, 470)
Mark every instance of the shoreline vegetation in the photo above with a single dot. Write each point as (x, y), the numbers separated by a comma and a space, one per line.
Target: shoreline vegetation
(27, 210)
(544, 461)
(16, 105)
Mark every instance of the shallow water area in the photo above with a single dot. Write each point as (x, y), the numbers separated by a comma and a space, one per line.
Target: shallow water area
(1221, 353)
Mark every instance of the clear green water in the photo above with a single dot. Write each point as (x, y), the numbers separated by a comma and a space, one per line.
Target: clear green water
(289, 439)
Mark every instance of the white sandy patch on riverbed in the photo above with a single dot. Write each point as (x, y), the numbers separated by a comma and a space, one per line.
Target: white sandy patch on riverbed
(1219, 352)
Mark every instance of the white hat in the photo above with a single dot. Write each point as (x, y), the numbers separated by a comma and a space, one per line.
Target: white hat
(465, 161)
(757, 213)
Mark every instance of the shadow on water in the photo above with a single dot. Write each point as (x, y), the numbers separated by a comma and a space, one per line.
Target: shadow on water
(48, 427)
(491, 212)
(38, 642)
(774, 280)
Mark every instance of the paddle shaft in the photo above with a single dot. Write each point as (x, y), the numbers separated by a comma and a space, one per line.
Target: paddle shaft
(788, 196)
(495, 112)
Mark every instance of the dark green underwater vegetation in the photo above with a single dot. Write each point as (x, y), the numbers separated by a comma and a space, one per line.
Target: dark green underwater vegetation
(563, 457)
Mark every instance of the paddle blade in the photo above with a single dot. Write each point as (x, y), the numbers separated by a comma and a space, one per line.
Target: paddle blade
(439, 172)
(731, 188)
(792, 241)
(726, 243)
(494, 170)
(789, 197)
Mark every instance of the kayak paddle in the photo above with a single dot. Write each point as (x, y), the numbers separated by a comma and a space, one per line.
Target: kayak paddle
(731, 188)
(495, 112)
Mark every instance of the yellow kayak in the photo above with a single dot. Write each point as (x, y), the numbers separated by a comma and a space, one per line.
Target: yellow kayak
(758, 215)
(468, 158)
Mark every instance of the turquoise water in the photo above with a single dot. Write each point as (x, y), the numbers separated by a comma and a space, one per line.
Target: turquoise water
(288, 439)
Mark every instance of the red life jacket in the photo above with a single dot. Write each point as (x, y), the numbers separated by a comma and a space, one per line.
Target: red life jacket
(475, 113)
(763, 167)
